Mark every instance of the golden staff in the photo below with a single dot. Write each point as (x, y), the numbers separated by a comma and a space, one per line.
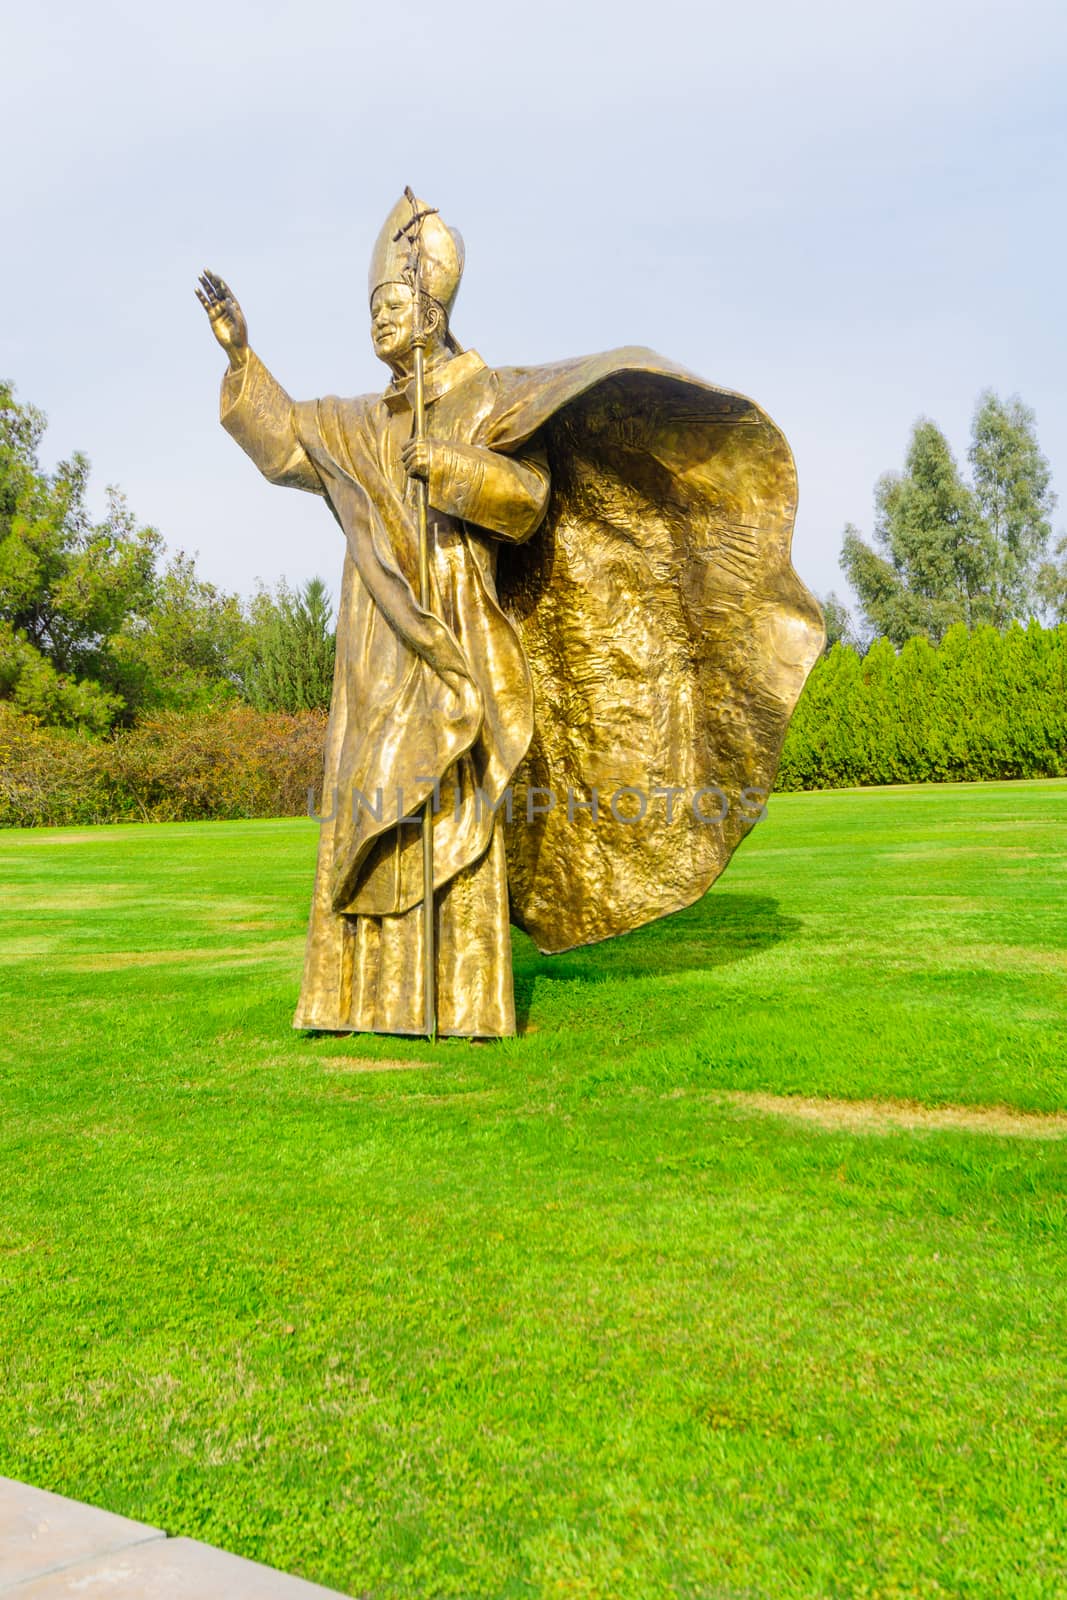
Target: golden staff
(413, 231)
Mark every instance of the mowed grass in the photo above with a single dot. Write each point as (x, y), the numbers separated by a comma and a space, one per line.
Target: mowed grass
(553, 1317)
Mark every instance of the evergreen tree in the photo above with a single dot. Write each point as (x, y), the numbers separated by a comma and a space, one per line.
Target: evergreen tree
(986, 703)
(289, 652)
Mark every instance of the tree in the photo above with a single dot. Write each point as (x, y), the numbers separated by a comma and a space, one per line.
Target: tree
(933, 561)
(1012, 487)
(182, 652)
(289, 652)
(66, 583)
(92, 632)
(1052, 583)
(840, 628)
(946, 551)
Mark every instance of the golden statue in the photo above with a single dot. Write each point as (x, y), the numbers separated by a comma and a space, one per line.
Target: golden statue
(569, 641)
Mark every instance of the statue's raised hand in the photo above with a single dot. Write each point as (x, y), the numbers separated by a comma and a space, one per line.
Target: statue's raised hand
(225, 315)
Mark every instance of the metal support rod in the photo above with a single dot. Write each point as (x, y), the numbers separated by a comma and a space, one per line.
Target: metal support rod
(412, 230)
(428, 930)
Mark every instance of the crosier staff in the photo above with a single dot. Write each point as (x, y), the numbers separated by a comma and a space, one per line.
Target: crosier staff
(412, 231)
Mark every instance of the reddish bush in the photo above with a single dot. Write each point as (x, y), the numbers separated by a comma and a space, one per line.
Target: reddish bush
(173, 767)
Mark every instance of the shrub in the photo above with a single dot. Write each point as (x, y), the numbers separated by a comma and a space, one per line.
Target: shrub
(981, 705)
(172, 767)
(47, 775)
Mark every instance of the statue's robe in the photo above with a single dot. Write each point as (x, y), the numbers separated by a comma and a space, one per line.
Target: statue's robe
(433, 704)
(651, 634)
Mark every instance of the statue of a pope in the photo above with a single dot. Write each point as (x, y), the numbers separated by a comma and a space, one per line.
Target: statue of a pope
(652, 634)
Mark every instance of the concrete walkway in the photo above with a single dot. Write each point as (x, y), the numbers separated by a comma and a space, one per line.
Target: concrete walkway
(51, 1548)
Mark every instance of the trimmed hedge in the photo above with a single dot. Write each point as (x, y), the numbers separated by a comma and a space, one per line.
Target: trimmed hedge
(981, 705)
(174, 767)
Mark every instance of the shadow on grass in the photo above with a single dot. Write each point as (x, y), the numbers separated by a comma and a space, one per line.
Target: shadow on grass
(719, 930)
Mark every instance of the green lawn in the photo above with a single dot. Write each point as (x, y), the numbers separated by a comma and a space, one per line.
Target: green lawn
(553, 1317)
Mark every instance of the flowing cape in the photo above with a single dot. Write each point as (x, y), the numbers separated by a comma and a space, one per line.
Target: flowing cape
(667, 634)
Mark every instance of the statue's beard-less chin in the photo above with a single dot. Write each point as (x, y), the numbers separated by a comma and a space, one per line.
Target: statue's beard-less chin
(444, 342)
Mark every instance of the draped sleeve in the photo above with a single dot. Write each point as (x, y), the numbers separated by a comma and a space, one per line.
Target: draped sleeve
(506, 495)
(256, 411)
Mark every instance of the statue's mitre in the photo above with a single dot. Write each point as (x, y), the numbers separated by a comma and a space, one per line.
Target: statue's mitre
(441, 260)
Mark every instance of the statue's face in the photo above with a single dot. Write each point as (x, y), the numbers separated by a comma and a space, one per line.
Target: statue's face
(391, 320)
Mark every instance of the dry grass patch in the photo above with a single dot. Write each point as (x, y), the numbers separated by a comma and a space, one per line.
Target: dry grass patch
(1005, 957)
(889, 1116)
(351, 1064)
(218, 955)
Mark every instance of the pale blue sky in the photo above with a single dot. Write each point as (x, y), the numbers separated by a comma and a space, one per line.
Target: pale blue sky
(854, 215)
